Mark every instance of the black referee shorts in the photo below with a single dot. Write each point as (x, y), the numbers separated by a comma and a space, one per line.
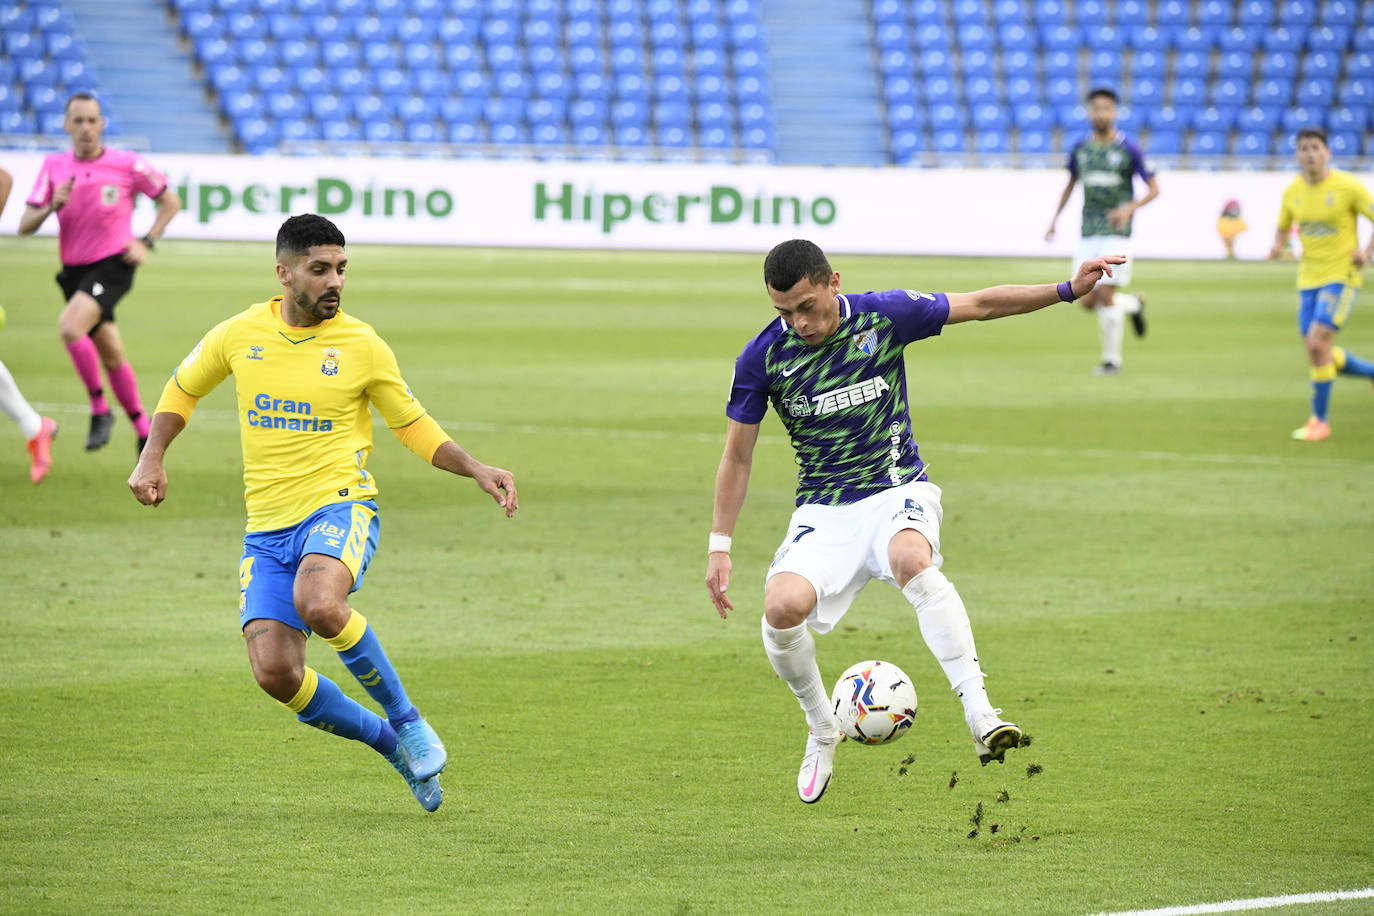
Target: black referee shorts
(106, 281)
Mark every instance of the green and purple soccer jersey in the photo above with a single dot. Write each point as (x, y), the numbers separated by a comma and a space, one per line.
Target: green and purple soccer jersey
(844, 403)
(1107, 171)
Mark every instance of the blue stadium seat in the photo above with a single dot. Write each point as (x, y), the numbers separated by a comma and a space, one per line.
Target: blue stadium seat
(1050, 11)
(1214, 13)
(1062, 91)
(1196, 38)
(1061, 64)
(1022, 91)
(1363, 39)
(978, 62)
(1295, 119)
(906, 143)
(1146, 91)
(1255, 12)
(1034, 141)
(1168, 118)
(1148, 38)
(1253, 144)
(1214, 119)
(1272, 92)
(905, 116)
(991, 142)
(1258, 120)
(1207, 143)
(1241, 38)
(1286, 38)
(981, 91)
(1149, 64)
(949, 141)
(1355, 93)
(1279, 65)
(989, 117)
(1188, 91)
(1360, 66)
(1291, 11)
(1019, 64)
(1233, 91)
(1191, 64)
(1233, 64)
(1348, 120)
(1329, 38)
(1016, 36)
(1316, 93)
(1339, 12)
(948, 118)
(1321, 65)
(1032, 117)
(1345, 144)
(1061, 38)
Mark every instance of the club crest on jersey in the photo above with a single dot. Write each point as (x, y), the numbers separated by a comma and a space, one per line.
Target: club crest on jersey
(109, 194)
(866, 342)
(330, 364)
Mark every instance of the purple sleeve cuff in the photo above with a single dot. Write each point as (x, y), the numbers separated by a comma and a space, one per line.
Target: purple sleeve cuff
(1066, 292)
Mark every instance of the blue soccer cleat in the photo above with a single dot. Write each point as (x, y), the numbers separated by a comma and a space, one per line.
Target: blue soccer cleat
(427, 791)
(422, 748)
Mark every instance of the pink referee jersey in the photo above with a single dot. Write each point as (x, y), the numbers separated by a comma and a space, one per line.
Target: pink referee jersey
(98, 217)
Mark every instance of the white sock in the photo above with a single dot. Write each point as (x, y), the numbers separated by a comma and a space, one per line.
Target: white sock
(945, 628)
(1129, 302)
(12, 402)
(1111, 327)
(793, 654)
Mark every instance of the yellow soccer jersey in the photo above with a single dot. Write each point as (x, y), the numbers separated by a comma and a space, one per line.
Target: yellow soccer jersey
(1327, 213)
(303, 396)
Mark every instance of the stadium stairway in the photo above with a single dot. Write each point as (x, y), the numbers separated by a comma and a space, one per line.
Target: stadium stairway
(825, 114)
(145, 77)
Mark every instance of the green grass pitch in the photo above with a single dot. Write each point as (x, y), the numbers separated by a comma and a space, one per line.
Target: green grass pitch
(1169, 595)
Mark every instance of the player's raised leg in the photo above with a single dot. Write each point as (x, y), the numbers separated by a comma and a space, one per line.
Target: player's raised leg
(276, 652)
(945, 627)
(788, 599)
(320, 594)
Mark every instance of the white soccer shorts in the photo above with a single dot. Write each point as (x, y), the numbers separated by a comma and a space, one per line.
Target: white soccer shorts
(1097, 246)
(839, 549)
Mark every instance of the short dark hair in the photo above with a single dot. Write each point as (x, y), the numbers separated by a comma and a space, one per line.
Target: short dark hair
(1103, 92)
(1316, 132)
(791, 261)
(302, 232)
(83, 97)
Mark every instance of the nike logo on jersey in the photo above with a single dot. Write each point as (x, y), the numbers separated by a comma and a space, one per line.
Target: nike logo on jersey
(787, 373)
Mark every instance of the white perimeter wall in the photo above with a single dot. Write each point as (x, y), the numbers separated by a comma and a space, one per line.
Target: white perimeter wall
(687, 207)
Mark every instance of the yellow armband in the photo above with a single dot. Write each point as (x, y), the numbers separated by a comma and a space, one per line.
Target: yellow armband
(423, 437)
(176, 401)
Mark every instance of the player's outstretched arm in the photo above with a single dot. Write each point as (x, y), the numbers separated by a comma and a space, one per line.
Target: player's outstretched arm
(1001, 301)
(168, 205)
(498, 482)
(149, 478)
(732, 483)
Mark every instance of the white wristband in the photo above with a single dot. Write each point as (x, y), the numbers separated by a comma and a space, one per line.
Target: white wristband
(718, 543)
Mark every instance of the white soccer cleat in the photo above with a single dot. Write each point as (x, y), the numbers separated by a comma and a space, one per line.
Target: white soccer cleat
(992, 737)
(817, 765)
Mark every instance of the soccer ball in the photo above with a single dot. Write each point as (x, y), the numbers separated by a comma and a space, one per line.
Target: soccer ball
(875, 702)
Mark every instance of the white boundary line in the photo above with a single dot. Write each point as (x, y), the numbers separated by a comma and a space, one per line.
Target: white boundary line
(1254, 903)
(966, 448)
